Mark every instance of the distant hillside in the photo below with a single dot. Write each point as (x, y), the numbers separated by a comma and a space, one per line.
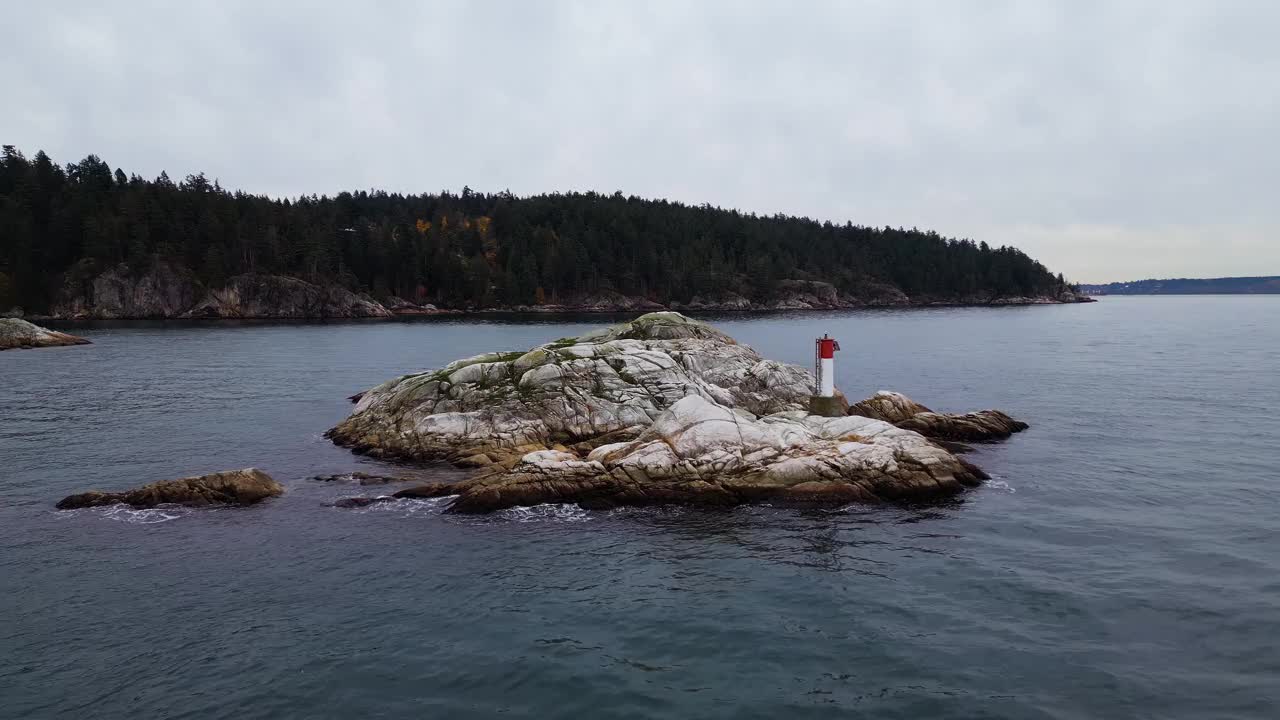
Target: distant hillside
(86, 240)
(1190, 286)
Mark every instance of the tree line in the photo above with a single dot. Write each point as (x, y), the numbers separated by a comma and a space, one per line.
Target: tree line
(462, 250)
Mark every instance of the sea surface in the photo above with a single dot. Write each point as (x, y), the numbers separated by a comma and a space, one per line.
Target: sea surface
(1124, 562)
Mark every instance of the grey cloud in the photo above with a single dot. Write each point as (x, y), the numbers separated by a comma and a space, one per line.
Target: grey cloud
(1110, 140)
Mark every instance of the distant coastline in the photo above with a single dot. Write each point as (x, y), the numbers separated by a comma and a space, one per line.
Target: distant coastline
(1263, 285)
(166, 293)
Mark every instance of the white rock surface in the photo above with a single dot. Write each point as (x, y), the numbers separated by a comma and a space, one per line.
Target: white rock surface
(580, 389)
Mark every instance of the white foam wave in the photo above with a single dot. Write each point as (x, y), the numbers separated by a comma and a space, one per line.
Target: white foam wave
(147, 516)
(1001, 485)
(408, 506)
(552, 512)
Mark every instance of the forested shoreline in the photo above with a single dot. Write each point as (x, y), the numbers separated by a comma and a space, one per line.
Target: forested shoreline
(62, 228)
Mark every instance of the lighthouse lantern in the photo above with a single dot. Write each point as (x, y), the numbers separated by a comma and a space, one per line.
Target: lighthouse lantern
(825, 349)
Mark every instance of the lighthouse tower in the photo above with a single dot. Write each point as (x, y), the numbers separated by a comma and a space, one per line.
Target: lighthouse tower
(825, 402)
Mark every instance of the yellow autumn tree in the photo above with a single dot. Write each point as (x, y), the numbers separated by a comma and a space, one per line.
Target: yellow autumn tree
(423, 226)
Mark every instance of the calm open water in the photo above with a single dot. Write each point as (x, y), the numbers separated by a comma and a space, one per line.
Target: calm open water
(1124, 562)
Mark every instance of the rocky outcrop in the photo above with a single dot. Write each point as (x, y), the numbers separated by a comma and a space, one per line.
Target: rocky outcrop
(604, 301)
(234, 487)
(902, 411)
(361, 478)
(160, 290)
(890, 407)
(701, 452)
(276, 296)
(16, 333)
(601, 386)
(400, 306)
(661, 409)
(164, 290)
(720, 301)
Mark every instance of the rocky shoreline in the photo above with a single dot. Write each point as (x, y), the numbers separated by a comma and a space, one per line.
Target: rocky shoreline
(662, 409)
(168, 291)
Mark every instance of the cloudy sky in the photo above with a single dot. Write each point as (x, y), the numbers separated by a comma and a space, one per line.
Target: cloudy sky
(1111, 140)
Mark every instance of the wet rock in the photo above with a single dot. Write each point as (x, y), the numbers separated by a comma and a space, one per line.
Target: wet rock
(981, 426)
(233, 487)
(361, 478)
(902, 411)
(16, 333)
(890, 407)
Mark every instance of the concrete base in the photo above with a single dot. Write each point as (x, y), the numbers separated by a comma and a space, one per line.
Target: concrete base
(834, 406)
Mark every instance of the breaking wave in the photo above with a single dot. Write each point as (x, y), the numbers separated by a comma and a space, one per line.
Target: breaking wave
(556, 512)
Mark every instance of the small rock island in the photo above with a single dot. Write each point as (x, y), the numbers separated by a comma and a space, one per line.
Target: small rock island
(231, 487)
(16, 333)
(661, 409)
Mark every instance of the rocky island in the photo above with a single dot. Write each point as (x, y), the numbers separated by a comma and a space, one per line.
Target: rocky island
(16, 333)
(662, 409)
(232, 487)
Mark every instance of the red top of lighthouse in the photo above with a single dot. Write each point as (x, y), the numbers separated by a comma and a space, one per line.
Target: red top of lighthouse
(827, 347)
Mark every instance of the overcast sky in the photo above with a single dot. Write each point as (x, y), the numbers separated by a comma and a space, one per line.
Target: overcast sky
(1111, 140)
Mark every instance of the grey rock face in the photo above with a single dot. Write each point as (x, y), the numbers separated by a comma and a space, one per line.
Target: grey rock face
(16, 333)
(615, 380)
(165, 290)
(902, 411)
(276, 296)
(162, 290)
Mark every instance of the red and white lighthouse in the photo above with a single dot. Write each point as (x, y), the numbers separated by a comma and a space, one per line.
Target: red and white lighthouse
(825, 365)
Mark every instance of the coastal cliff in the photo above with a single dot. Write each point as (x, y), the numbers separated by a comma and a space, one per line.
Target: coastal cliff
(164, 290)
(657, 410)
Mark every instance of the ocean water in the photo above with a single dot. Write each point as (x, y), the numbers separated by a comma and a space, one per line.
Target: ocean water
(1124, 562)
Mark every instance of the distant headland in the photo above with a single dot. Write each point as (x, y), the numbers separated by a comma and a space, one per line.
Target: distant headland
(1268, 285)
(86, 241)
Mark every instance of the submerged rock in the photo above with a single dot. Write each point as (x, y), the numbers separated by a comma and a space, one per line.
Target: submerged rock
(16, 333)
(902, 411)
(361, 478)
(662, 409)
(233, 487)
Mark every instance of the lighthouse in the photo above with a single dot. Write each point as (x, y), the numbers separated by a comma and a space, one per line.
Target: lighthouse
(825, 402)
